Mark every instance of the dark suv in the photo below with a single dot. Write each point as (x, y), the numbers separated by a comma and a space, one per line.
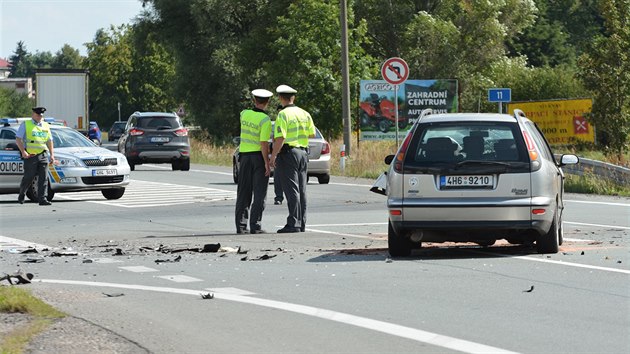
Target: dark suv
(154, 137)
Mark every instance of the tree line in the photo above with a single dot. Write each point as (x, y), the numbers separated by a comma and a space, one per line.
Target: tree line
(206, 55)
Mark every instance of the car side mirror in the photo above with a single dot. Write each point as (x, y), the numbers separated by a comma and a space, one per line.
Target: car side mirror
(389, 159)
(11, 146)
(569, 160)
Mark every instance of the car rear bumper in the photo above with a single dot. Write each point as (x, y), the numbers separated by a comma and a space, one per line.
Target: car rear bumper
(319, 166)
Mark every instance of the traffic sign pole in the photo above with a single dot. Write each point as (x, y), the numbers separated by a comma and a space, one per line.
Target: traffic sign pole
(396, 108)
(395, 71)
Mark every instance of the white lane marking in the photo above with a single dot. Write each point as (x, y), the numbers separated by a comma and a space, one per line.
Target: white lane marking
(142, 194)
(8, 243)
(139, 269)
(597, 225)
(362, 322)
(106, 260)
(231, 291)
(355, 224)
(603, 203)
(344, 234)
(352, 185)
(179, 278)
(571, 264)
(576, 239)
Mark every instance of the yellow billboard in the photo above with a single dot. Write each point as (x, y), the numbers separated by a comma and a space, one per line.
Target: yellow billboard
(560, 120)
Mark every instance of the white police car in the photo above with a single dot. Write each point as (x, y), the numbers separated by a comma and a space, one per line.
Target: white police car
(82, 166)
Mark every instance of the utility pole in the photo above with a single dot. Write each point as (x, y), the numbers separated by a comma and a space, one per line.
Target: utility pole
(345, 79)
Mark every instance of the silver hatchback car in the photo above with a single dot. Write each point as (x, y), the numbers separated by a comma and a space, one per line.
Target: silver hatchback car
(474, 177)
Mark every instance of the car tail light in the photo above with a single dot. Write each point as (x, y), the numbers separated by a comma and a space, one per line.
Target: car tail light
(325, 149)
(400, 156)
(531, 149)
(538, 211)
(136, 132)
(181, 132)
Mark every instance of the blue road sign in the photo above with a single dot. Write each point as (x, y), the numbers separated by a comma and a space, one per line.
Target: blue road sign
(499, 95)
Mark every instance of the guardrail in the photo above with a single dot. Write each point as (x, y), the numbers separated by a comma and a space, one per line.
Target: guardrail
(619, 174)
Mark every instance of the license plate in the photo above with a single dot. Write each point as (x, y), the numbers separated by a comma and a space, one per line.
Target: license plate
(104, 172)
(466, 181)
(160, 139)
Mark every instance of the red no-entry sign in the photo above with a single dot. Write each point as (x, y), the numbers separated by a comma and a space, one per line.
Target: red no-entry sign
(395, 70)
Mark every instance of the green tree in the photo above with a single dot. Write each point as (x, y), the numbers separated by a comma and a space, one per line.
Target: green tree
(67, 58)
(20, 61)
(605, 70)
(128, 66)
(14, 104)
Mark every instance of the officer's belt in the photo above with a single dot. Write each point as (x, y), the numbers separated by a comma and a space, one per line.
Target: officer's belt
(286, 148)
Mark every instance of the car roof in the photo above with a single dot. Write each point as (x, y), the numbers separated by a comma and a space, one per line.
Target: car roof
(467, 117)
(153, 114)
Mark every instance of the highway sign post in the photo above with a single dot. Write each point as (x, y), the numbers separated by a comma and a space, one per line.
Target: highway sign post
(395, 71)
(500, 95)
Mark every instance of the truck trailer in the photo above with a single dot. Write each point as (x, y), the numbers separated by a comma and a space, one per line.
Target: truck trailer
(64, 93)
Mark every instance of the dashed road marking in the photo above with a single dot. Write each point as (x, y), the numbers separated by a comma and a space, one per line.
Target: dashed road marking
(139, 269)
(231, 291)
(179, 278)
(143, 194)
(8, 243)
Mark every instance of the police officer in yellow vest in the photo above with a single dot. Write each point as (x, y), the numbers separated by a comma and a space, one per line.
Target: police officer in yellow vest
(290, 156)
(36, 148)
(254, 171)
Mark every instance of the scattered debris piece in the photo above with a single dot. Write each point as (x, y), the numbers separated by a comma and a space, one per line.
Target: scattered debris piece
(176, 259)
(388, 260)
(582, 253)
(119, 252)
(114, 294)
(63, 254)
(264, 257)
(595, 243)
(29, 250)
(33, 260)
(88, 261)
(207, 296)
(211, 247)
(241, 251)
(244, 258)
(19, 278)
(619, 262)
(530, 290)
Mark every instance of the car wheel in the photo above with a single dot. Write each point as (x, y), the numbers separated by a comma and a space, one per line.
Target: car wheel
(113, 193)
(185, 165)
(549, 242)
(234, 171)
(323, 179)
(383, 125)
(176, 165)
(398, 245)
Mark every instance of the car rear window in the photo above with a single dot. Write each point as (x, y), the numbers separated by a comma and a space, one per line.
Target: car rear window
(160, 122)
(467, 141)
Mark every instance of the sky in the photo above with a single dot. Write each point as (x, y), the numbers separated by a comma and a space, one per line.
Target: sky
(46, 25)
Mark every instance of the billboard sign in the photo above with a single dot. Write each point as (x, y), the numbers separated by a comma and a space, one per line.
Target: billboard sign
(377, 108)
(560, 120)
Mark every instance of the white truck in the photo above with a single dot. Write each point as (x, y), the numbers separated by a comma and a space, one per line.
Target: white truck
(64, 93)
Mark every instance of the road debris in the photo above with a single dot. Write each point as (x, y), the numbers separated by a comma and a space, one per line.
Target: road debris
(63, 254)
(263, 257)
(211, 247)
(113, 294)
(206, 296)
(17, 278)
(529, 290)
(176, 259)
(33, 260)
(119, 252)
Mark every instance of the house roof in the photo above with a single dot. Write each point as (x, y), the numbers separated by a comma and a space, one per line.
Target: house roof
(4, 63)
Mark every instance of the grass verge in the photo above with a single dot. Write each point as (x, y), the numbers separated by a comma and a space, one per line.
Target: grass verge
(16, 300)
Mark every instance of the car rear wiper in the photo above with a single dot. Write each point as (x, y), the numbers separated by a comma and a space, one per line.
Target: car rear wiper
(481, 162)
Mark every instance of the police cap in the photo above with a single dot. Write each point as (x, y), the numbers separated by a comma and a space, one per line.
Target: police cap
(39, 110)
(262, 93)
(286, 89)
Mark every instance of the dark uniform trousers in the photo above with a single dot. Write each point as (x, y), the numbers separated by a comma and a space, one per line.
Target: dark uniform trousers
(251, 181)
(292, 163)
(35, 166)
